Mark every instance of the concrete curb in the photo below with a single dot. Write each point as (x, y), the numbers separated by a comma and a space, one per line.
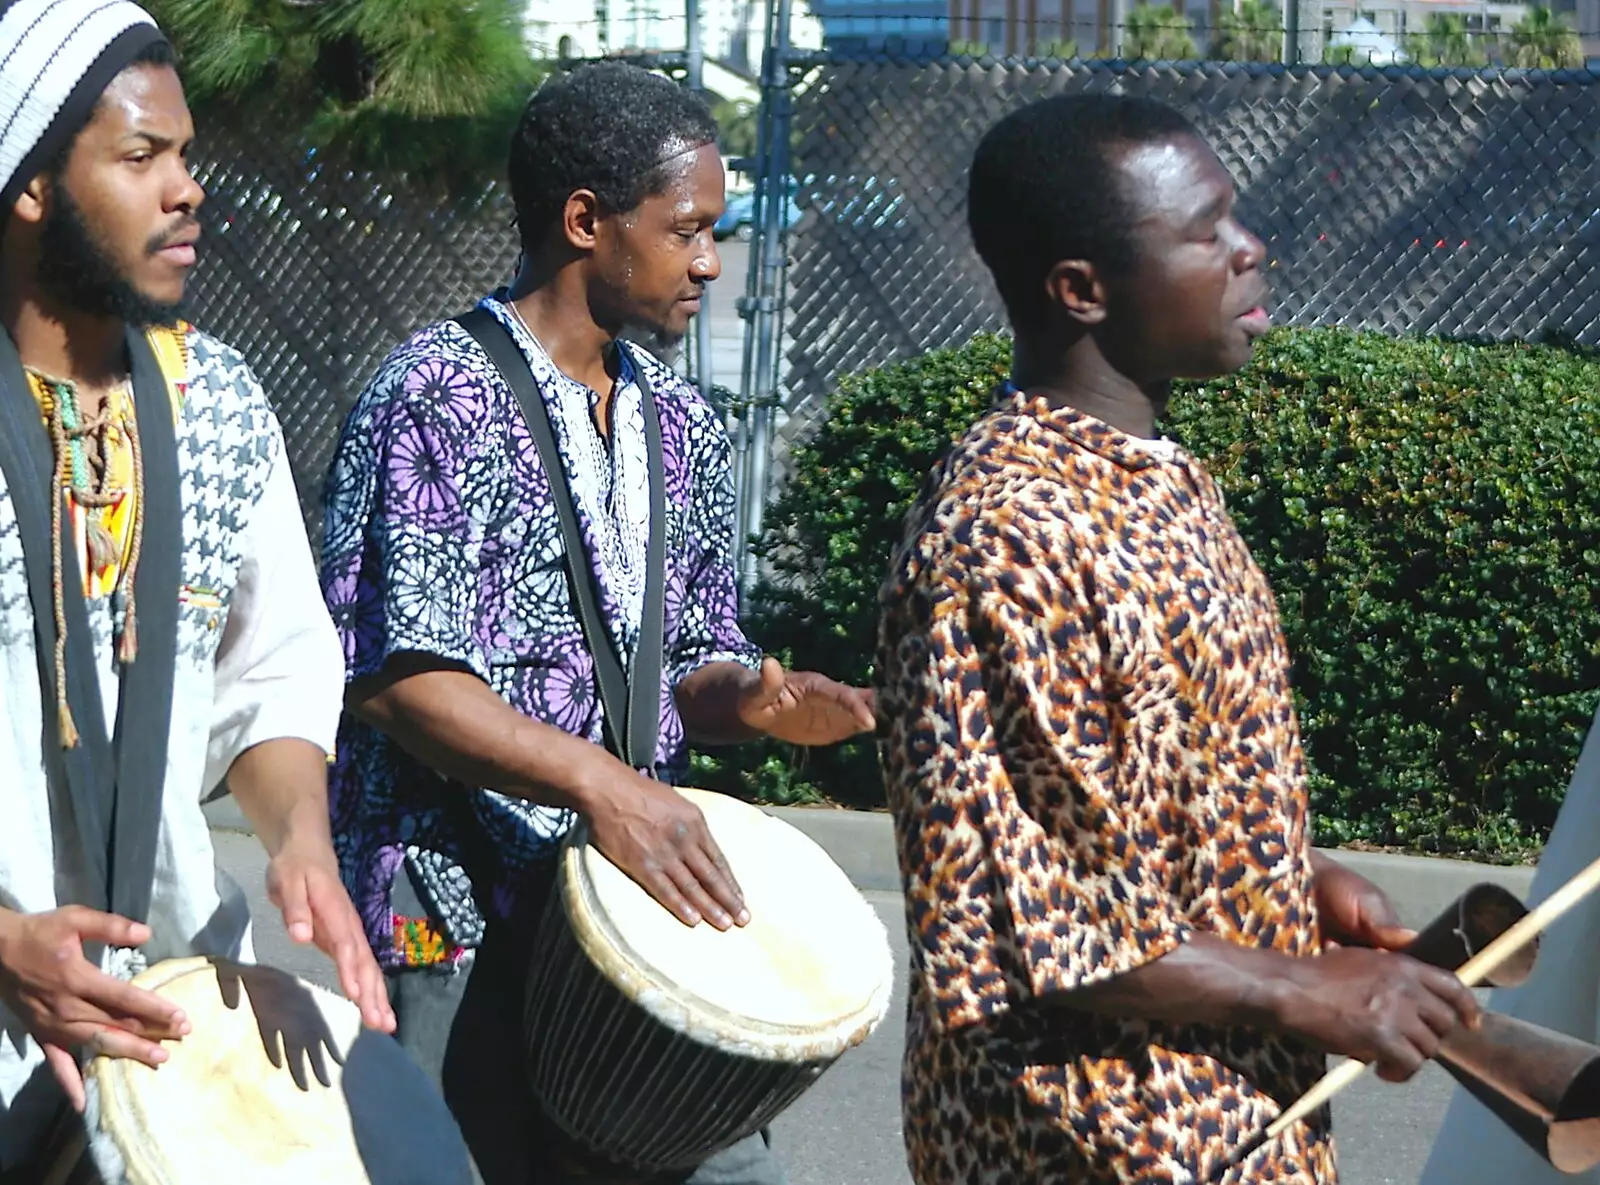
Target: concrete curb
(862, 844)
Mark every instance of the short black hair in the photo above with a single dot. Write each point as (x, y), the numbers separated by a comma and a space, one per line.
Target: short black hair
(1043, 189)
(608, 127)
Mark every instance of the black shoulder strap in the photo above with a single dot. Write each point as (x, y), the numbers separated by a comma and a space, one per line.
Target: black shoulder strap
(25, 453)
(632, 707)
(115, 791)
(144, 701)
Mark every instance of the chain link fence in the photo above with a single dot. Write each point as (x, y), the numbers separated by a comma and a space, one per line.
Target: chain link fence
(1452, 202)
(1455, 202)
(315, 274)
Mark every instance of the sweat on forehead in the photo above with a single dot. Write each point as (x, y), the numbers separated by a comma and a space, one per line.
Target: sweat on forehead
(608, 128)
(56, 59)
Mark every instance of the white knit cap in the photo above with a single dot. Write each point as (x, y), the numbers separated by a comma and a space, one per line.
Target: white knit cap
(56, 59)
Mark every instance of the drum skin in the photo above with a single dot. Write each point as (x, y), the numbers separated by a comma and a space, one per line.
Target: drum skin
(277, 1081)
(654, 1045)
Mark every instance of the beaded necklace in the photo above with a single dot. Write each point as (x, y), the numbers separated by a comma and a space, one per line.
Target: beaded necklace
(98, 497)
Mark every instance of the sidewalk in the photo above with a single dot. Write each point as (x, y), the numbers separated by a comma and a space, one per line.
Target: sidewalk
(862, 844)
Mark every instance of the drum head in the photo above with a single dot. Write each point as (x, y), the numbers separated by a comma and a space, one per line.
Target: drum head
(276, 1082)
(808, 977)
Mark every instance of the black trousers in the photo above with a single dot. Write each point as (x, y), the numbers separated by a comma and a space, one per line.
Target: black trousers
(465, 1029)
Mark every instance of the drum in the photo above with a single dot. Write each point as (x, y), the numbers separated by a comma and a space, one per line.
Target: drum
(276, 1082)
(654, 1044)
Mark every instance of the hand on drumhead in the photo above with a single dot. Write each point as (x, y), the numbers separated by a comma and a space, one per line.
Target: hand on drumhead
(660, 839)
(67, 1002)
(305, 885)
(805, 708)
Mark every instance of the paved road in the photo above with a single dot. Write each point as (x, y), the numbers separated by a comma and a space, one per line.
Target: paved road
(846, 1131)
(727, 329)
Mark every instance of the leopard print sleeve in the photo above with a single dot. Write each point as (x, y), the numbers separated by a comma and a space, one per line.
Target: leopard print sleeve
(1032, 865)
(1088, 740)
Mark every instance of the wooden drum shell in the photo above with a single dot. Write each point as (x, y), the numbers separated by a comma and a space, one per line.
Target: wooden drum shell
(653, 1045)
(666, 1101)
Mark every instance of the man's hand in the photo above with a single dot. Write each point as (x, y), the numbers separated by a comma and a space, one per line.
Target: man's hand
(803, 707)
(1387, 1009)
(65, 1001)
(1354, 911)
(303, 882)
(660, 839)
(282, 787)
(456, 723)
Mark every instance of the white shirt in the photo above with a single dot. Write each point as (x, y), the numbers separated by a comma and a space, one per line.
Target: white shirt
(257, 659)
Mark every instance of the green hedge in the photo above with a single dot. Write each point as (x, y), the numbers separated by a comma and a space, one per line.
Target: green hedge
(827, 546)
(1428, 513)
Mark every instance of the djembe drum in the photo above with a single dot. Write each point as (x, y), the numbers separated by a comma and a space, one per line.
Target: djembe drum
(654, 1044)
(277, 1082)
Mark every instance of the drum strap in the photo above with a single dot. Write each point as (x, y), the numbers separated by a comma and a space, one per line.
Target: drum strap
(115, 784)
(632, 707)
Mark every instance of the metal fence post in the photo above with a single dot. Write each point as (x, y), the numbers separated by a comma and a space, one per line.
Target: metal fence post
(695, 80)
(763, 349)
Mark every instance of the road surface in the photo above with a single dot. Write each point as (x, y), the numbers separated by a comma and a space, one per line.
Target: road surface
(846, 1130)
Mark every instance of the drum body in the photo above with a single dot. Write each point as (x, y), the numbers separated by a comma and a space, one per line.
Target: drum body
(277, 1081)
(654, 1044)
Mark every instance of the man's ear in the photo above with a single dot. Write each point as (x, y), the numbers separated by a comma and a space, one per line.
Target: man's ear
(1074, 286)
(33, 203)
(580, 218)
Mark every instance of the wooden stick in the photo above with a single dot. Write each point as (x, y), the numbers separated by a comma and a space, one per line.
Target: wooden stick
(1473, 972)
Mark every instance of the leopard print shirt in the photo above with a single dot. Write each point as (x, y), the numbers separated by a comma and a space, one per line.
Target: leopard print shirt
(1091, 753)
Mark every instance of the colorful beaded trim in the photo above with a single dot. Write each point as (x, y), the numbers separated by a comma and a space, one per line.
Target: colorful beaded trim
(419, 945)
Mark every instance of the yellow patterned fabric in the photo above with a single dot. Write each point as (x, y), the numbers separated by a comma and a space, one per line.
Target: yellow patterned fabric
(117, 519)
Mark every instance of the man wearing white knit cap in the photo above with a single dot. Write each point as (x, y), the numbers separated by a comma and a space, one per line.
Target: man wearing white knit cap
(162, 635)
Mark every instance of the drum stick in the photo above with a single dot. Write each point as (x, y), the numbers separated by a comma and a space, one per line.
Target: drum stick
(1473, 972)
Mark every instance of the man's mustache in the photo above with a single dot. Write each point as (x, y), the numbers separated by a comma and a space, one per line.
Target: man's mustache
(187, 230)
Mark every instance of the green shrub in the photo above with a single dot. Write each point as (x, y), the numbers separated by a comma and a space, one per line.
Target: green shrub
(1426, 511)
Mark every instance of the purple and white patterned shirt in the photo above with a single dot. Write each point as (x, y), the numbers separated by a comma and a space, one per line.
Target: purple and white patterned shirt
(440, 537)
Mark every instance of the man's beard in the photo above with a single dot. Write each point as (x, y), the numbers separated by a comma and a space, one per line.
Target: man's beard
(78, 272)
(658, 341)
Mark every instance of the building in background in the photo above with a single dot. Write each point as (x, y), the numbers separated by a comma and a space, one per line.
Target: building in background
(1031, 28)
(1040, 28)
(731, 31)
(1587, 22)
(907, 26)
(1397, 20)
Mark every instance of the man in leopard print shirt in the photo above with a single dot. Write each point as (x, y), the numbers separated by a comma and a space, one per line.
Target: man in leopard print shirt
(1126, 957)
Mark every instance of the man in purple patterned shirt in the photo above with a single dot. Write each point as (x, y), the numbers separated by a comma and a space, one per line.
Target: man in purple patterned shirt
(474, 731)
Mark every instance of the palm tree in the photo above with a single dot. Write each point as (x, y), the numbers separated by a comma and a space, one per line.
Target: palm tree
(1158, 35)
(1252, 32)
(1445, 41)
(429, 87)
(1543, 40)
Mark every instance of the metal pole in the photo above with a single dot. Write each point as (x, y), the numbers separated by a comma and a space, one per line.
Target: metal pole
(695, 61)
(773, 191)
(739, 424)
(1291, 32)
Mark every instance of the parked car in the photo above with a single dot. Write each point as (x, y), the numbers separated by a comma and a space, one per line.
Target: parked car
(738, 218)
(862, 203)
